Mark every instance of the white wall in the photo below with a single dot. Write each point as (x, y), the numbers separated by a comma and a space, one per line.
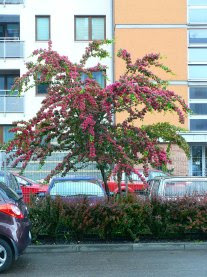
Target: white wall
(62, 35)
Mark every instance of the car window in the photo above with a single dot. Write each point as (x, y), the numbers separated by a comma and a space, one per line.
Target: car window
(13, 184)
(155, 187)
(21, 181)
(185, 188)
(8, 193)
(75, 188)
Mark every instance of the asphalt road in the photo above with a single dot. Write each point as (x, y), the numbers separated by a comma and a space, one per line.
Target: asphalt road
(140, 264)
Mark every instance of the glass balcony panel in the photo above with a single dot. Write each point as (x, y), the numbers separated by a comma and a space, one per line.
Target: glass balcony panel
(11, 49)
(11, 2)
(11, 103)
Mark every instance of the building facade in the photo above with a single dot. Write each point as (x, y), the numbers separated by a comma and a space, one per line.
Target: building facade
(178, 31)
(26, 25)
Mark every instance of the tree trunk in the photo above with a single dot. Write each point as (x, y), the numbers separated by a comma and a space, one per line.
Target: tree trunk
(119, 175)
(104, 180)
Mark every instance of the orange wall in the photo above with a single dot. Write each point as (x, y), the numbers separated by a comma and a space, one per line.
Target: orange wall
(170, 43)
(150, 11)
(155, 117)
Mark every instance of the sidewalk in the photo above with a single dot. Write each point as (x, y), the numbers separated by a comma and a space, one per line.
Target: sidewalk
(122, 247)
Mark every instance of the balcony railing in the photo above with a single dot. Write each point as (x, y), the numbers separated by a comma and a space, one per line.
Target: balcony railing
(10, 103)
(11, 48)
(4, 2)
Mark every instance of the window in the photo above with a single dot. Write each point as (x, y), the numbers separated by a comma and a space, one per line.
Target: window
(76, 188)
(198, 160)
(42, 28)
(197, 2)
(198, 92)
(42, 88)
(98, 76)
(197, 72)
(197, 54)
(89, 28)
(5, 135)
(9, 27)
(197, 16)
(198, 105)
(198, 36)
(198, 108)
(155, 188)
(7, 79)
(198, 124)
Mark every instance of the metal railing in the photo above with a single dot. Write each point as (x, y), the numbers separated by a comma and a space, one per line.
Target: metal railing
(4, 2)
(11, 48)
(11, 103)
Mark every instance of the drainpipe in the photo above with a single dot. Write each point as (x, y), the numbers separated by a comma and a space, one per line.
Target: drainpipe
(113, 48)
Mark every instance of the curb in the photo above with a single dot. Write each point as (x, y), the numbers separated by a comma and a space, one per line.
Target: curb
(119, 247)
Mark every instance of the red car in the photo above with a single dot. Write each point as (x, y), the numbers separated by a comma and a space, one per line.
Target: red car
(29, 187)
(135, 185)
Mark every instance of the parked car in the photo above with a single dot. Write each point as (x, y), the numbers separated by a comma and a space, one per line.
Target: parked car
(14, 226)
(175, 187)
(135, 184)
(29, 187)
(77, 188)
(9, 179)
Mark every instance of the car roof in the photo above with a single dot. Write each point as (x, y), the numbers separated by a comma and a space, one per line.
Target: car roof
(71, 178)
(180, 177)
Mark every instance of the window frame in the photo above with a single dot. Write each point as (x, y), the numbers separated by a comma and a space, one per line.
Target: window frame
(196, 101)
(41, 94)
(103, 73)
(2, 131)
(89, 26)
(36, 19)
(5, 30)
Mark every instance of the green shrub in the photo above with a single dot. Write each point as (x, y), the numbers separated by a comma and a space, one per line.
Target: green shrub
(128, 218)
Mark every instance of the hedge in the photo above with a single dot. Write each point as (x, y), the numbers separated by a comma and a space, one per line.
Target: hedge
(128, 219)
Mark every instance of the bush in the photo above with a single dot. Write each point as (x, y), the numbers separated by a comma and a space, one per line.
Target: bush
(128, 218)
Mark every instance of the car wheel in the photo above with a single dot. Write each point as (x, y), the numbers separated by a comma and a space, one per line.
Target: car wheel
(6, 255)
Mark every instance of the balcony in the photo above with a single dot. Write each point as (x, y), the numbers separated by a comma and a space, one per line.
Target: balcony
(11, 103)
(11, 48)
(5, 2)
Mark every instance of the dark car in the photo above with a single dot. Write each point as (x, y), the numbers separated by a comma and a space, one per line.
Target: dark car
(14, 226)
(77, 188)
(10, 180)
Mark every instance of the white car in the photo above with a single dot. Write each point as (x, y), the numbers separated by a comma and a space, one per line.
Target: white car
(174, 187)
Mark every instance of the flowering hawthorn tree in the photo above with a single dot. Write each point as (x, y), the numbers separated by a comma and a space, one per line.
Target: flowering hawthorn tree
(78, 114)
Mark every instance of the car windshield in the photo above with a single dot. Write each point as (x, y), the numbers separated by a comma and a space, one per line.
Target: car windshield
(154, 174)
(185, 188)
(76, 188)
(133, 176)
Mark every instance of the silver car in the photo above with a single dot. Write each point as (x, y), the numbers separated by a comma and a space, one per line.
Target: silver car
(175, 187)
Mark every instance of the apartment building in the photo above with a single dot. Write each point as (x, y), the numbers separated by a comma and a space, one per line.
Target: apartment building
(26, 25)
(178, 31)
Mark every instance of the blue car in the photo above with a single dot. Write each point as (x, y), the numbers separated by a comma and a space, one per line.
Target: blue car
(77, 188)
